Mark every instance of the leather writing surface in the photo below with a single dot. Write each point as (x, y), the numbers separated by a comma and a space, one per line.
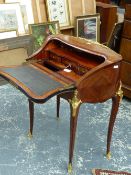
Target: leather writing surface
(38, 82)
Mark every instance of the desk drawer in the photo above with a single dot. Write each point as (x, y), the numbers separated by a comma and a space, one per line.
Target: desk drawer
(126, 73)
(128, 11)
(125, 49)
(127, 29)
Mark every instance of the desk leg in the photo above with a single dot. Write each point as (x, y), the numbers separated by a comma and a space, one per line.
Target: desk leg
(31, 109)
(58, 105)
(115, 106)
(74, 109)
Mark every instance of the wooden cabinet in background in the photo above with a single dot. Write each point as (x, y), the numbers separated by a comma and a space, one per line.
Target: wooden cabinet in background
(108, 17)
(125, 51)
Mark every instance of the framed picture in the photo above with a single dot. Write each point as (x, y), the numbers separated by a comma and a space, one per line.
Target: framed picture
(8, 34)
(40, 32)
(58, 10)
(88, 27)
(11, 18)
(26, 11)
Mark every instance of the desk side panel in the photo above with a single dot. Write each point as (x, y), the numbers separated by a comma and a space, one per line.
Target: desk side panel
(100, 85)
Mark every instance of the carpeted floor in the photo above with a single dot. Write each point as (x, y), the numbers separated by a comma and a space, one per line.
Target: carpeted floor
(47, 152)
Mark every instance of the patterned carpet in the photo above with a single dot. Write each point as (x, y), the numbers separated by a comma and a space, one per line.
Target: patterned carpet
(47, 152)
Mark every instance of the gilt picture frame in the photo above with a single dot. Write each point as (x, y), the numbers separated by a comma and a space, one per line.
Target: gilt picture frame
(40, 31)
(58, 10)
(88, 26)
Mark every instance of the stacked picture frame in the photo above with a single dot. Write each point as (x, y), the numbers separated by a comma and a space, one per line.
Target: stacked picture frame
(58, 10)
(11, 18)
(41, 31)
(88, 26)
(58, 18)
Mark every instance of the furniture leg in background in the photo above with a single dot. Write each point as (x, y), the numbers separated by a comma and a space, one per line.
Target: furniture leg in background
(31, 110)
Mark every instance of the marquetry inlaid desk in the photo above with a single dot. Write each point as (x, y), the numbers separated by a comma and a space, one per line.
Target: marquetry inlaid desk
(75, 69)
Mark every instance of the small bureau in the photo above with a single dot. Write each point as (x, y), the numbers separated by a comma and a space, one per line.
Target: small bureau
(125, 51)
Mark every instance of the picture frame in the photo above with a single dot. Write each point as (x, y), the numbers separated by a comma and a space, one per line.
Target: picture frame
(88, 26)
(58, 11)
(8, 34)
(115, 36)
(11, 18)
(26, 11)
(41, 31)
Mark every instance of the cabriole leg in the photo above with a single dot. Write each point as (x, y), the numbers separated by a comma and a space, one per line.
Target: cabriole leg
(115, 105)
(74, 108)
